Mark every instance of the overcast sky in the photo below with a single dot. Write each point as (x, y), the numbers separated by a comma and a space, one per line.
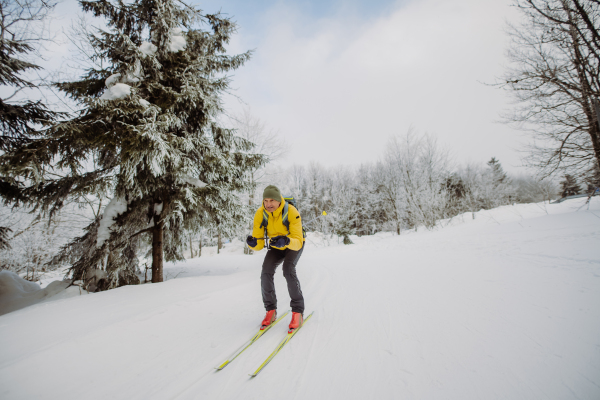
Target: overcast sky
(338, 78)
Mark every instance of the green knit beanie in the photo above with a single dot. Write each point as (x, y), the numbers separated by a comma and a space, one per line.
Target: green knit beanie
(272, 192)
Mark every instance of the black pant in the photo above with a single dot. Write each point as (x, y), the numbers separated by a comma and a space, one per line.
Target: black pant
(273, 259)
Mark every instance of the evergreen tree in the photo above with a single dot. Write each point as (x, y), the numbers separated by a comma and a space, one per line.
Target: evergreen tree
(148, 119)
(4, 242)
(496, 188)
(498, 175)
(20, 119)
(569, 186)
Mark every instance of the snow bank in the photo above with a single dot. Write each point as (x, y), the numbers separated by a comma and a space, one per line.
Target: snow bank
(113, 209)
(17, 293)
(518, 212)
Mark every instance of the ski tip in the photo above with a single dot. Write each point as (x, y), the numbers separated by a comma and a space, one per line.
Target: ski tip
(220, 367)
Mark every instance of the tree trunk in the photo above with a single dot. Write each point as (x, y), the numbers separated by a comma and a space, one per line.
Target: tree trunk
(157, 249)
(200, 245)
(597, 112)
(587, 101)
(219, 242)
(191, 248)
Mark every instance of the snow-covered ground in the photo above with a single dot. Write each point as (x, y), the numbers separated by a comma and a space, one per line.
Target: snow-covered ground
(503, 306)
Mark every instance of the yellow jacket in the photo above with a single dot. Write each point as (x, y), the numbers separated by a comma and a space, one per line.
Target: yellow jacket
(275, 227)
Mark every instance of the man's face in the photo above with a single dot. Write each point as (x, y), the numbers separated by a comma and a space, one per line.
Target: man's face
(271, 204)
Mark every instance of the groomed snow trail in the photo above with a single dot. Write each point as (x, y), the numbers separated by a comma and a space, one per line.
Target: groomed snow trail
(506, 306)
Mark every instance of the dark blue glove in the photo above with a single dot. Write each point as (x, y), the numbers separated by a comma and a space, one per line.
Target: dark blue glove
(252, 242)
(279, 241)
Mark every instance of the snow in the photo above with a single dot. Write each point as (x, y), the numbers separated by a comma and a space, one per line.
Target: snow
(116, 92)
(177, 43)
(112, 80)
(193, 181)
(144, 103)
(177, 40)
(112, 211)
(148, 48)
(503, 306)
(17, 293)
(136, 75)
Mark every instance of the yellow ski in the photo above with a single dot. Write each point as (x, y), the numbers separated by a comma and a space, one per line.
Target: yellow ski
(249, 343)
(287, 338)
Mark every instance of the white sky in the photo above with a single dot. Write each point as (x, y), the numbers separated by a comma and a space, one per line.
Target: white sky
(336, 79)
(337, 87)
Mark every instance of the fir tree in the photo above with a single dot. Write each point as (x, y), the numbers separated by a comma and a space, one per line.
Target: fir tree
(497, 188)
(20, 119)
(149, 121)
(4, 242)
(569, 186)
(498, 175)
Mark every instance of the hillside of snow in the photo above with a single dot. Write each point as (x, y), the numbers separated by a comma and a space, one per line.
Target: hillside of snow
(503, 306)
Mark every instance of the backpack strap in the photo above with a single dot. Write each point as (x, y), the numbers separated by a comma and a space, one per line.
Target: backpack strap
(284, 217)
(264, 224)
(265, 220)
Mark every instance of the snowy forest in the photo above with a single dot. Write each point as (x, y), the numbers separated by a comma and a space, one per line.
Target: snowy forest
(146, 166)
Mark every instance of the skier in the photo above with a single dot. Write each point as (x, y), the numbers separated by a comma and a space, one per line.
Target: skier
(285, 245)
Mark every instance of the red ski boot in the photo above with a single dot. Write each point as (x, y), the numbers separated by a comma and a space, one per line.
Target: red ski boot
(297, 321)
(269, 318)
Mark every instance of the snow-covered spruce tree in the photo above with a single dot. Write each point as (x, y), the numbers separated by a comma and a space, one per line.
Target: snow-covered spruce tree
(148, 120)
(21, 32)
(497, 188)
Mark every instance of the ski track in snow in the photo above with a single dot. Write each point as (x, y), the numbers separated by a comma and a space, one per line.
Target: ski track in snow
(503, 307)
